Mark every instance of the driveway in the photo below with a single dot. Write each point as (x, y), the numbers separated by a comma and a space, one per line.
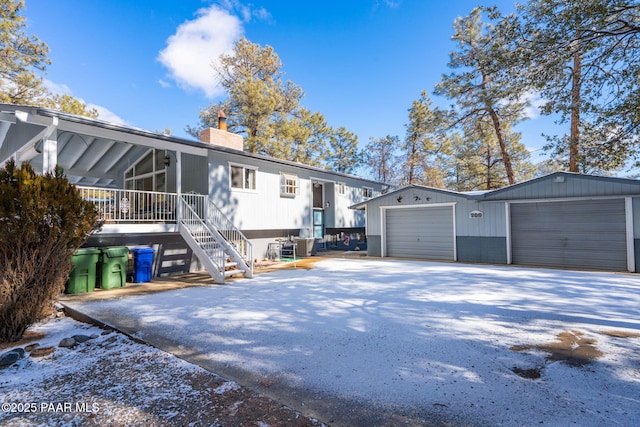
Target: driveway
(373, 342)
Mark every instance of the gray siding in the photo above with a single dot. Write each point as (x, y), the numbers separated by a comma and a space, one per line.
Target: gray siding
(194, 174)
(411, 196)
(635, 203)
(579, 234)
(374, 245)
(567, 185)
(492, 250)
(602, 245)
(492, 223)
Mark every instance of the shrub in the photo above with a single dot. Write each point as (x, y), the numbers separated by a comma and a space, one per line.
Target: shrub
(43, 221)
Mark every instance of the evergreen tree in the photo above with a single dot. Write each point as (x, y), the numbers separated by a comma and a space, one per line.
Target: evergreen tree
(344, 155)
(21, 57)
(476, 162)
(300, 139)
(582, 57)
(424, 143)
(265, 109)
(43, 220)
(481, 87)
(381, 159)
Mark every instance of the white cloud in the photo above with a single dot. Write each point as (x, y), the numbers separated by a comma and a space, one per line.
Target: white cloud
(535, 102)
(163, 83)
(103, 112)
(196, 43)
(108, 115)
(56, 88)
(391, 4)
(262, 14)
(247, 12)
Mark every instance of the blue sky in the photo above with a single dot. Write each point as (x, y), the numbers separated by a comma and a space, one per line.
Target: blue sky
(146, 63)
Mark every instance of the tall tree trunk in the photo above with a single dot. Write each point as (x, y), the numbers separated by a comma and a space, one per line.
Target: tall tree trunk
(506, 159)
(574, 137)
(412, 161)
(488, 184)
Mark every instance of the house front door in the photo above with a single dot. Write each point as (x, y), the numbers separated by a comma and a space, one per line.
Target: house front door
(318, 210)
(318, 223)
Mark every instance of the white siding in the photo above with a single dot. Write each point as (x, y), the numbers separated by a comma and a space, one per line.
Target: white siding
(265, 209)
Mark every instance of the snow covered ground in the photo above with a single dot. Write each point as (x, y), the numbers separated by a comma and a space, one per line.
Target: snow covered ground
(418, 338)
(108, 379)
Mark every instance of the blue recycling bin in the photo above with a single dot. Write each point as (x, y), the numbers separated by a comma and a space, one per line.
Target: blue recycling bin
(142, 264)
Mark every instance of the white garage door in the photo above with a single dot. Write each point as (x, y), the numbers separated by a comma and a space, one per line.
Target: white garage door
(420, 233)
(581, 234)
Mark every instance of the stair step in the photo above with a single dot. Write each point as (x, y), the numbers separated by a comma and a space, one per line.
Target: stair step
(228, 273)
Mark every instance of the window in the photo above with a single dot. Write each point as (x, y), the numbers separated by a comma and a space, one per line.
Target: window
(341, 189)
(243, 177)
(367, 192)
(289, 185)
(148, 173)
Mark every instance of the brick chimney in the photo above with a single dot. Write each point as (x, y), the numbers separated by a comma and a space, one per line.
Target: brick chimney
(220, 136)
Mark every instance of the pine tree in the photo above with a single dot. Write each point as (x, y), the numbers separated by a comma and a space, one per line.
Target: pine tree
(21, 57)
(481, 87)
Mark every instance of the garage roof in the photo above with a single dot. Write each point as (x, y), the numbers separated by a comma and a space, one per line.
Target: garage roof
(554, 185)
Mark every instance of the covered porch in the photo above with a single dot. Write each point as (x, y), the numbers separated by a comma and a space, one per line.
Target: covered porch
(135, 177)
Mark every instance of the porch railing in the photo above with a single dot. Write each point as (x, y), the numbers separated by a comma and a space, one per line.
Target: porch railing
(132, 206)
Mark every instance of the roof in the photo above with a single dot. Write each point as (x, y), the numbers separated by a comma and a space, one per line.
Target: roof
(513, 192)
(362, 205)
(109, 132)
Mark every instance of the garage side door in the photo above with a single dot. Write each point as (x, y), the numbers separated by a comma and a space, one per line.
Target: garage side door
(420, 233)
(581, 234)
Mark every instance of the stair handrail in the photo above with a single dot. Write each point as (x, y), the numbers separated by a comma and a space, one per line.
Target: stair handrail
(189, 218)
(238, 241)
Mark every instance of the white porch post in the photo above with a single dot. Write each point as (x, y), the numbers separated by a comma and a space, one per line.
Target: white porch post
(179, 187)
(50, 152)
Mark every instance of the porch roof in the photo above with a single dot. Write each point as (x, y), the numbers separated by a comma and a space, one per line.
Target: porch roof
(91, 152)
(94, 152)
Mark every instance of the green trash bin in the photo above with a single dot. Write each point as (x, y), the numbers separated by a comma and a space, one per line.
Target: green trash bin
(113, 266)
(83, 276)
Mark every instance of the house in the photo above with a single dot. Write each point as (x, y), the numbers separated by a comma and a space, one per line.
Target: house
(561, 220)
(198, 203)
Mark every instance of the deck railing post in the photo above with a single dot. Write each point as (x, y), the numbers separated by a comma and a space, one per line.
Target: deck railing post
(178, 188)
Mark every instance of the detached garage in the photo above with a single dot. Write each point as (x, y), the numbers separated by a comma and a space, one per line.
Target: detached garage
(560, 220)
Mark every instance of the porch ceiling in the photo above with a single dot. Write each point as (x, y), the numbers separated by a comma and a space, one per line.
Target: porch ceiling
(91, 152)
(90, 160)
